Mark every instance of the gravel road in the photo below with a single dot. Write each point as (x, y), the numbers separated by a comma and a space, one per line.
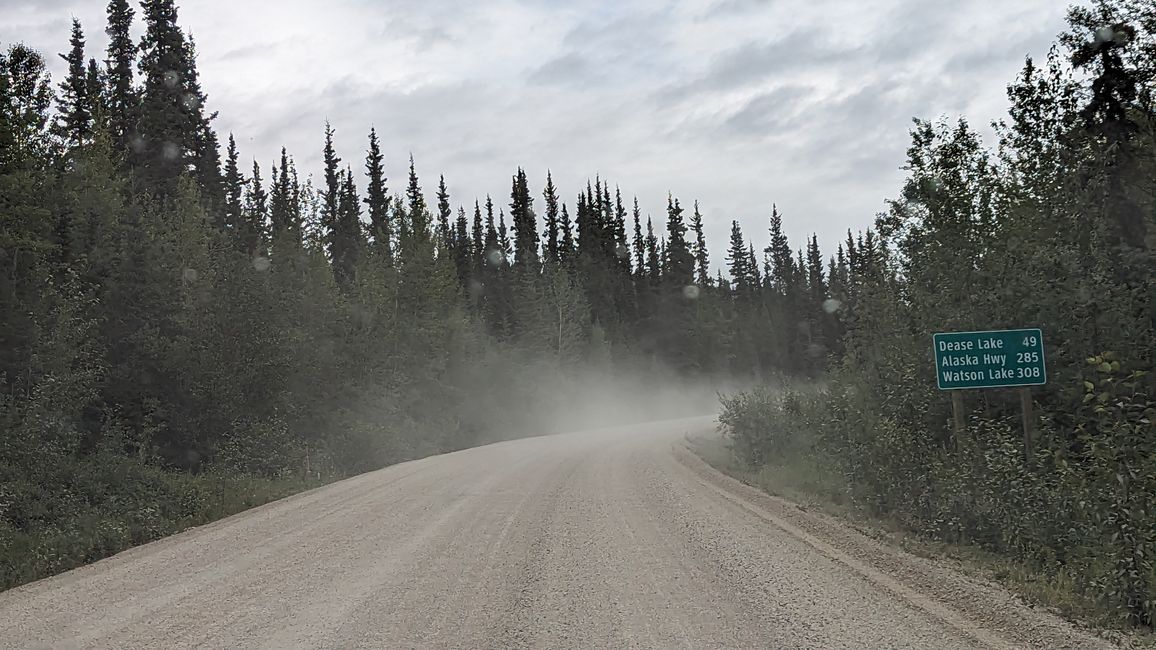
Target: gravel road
(608, 539)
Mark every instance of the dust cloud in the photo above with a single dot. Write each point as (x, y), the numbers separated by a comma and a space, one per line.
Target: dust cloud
(527, 395)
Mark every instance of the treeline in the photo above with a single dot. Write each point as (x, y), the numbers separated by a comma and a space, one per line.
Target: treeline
(174, 318)
(1054, 229)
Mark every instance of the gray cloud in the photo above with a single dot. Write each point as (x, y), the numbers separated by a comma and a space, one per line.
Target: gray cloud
(755, 61)
(729, 7)
(775, 110)
(568, 68)
(268, 48)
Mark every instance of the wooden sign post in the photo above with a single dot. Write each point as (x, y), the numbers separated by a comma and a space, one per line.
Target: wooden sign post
(1029, 421)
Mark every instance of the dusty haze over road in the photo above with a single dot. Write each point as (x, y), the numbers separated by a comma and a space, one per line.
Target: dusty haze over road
(612, 538)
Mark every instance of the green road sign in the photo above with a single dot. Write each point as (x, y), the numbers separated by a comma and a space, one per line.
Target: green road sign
(989, 359)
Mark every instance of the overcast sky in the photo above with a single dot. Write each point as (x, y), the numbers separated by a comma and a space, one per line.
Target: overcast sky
(736, 103)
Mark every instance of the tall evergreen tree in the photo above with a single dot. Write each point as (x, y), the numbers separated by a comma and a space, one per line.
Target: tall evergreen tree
(377, 200)
(782, 268)
(753, 265)
(285, 209)
(74, 122)
(122, 96)
(587, 239)
(504, 239)
(551, 234)
(445, 231)
(701, 257)
(816, 283)
(525, 224)
(255, 233)
(330, 195)
(738, 262)
(566, 246)
(494, 256)
(348, 239)
(205, 149)
(96, 81)
(678, 264)
(1108, 115)
(639, 243)
(173, 129)
(231, 215)
(479, 237)
(653, 255)
(621, 242)
(462, 247)
(418, 213)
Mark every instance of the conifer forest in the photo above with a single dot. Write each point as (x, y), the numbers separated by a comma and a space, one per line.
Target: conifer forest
(185, 333)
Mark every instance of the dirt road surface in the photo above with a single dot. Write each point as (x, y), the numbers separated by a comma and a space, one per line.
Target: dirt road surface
(608, 539)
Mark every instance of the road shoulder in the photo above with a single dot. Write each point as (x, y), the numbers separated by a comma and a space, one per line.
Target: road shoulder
(938, 586)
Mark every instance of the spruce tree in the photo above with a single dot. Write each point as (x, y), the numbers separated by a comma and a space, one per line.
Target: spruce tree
(331, 194)
(401, 223)
(122, 96)
(816, 283)
(347, 240)
(639, 243)
(552, 244)
(205, 148)
(566, 245)
(782, 267)
(478, 246)
(493, 251)
(621, 243)
(173, 129)
(525, 224)
(254, 234)
(231, 216)
(95, 81)
(504, 243)
(1108, 115)
(852, 258)
(463, 251)
(653, 255)
(738, 262)
(74, 121)
(377, 200)
(678, 263)
(418, 213)
(284, 209)
(753, 265)
(445, 231)
(701, 258)
(586, 225)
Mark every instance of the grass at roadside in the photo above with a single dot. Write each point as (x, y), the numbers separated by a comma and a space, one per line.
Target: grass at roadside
(102, 506)
(814, 487)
